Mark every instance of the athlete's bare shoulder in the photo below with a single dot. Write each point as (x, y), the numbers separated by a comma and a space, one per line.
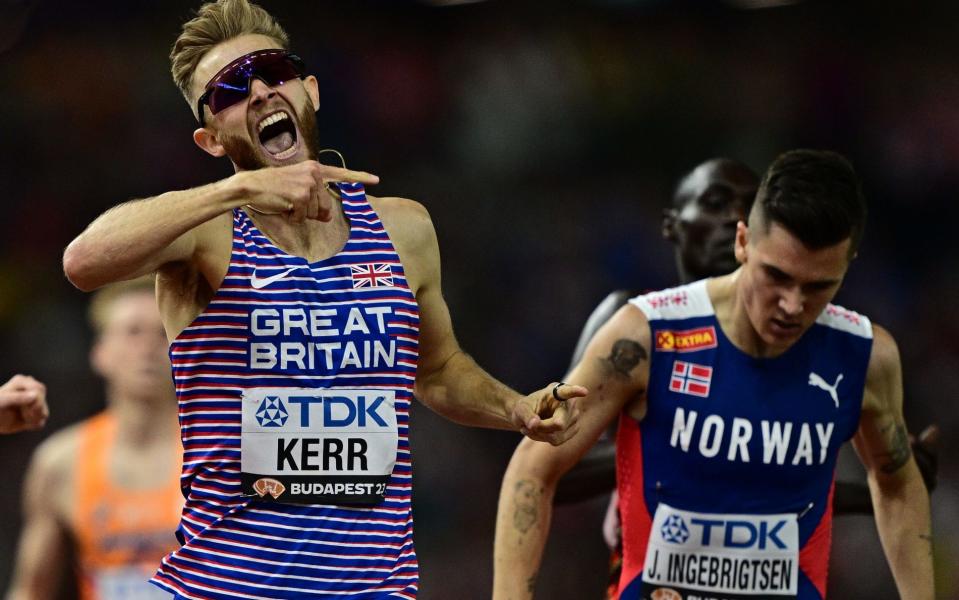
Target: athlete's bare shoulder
(885, 353)
(600, 315)
(403, 218)
(58, 452)
(51, 473)
(410, 228)
(884, 374)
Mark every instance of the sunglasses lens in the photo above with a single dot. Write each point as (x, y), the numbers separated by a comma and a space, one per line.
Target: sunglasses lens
(225, 95)
(233, 86)
(277, 73)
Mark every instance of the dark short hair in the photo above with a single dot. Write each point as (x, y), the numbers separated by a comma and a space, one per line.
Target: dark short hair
(816, 196)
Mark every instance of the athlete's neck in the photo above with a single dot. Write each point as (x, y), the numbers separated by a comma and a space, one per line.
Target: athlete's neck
(144, 420)
(311, 239)
(724, 293)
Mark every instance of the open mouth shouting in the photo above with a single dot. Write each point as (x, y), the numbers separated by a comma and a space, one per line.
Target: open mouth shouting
(278, 135)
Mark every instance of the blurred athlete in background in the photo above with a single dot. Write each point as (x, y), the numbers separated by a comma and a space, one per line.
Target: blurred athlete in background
(102, 497)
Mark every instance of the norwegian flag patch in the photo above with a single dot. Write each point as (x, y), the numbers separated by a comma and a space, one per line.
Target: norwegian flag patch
(372, 275)
(690, 378)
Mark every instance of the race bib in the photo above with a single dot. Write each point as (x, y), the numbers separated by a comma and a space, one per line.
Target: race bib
(700, 556)
(318, 446)
(126, 583)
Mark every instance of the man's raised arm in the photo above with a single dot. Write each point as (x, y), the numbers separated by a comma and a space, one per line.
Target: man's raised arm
(140, 236)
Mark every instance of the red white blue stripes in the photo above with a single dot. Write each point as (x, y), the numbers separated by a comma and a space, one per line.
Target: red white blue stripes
(239, 547)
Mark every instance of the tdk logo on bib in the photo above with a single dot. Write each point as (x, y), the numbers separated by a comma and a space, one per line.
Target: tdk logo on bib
(755, 532)
(339, 411)
(674, 530)
(318, 446)
(705, 555)
(271, 412)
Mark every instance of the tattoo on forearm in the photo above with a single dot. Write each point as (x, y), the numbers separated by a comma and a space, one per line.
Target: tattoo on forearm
(624, 356)
(531, 584)
(899, 450)
(526, 505)
(927, 537)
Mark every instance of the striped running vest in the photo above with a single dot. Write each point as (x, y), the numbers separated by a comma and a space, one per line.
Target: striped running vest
(120, 533)
(726, 483)
(294, 388)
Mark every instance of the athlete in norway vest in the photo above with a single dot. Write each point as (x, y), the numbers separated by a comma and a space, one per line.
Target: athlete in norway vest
(294, 387)
(120, 533)
(726, 483)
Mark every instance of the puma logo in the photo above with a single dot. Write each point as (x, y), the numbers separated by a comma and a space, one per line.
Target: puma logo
(816, 381)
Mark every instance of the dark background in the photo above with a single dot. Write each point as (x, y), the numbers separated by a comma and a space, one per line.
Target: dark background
(545, 139)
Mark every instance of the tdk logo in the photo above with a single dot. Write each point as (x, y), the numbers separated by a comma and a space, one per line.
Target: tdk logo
(339, 411)
(734, 533)
(271, 412)
(674, 530)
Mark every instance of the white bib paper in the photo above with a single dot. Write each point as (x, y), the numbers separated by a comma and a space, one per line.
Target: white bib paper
(728, 556)
(318, 446)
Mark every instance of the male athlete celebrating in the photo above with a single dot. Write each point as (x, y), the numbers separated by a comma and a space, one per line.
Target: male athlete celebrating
(299, 328)
(734, 395)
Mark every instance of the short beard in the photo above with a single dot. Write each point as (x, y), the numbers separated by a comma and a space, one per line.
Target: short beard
(245, 156)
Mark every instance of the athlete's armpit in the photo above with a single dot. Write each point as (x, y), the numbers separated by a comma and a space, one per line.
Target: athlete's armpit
(624, 357)
(898, 450)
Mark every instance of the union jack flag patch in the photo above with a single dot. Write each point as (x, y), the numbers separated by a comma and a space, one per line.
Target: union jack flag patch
(690, 378)
(372, 275)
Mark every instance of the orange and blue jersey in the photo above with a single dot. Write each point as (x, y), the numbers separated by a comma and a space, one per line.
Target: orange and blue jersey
(121, 534)
(294, 388)
(726, 483)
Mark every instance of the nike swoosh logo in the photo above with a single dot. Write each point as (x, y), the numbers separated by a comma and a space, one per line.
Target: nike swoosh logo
(258, 283)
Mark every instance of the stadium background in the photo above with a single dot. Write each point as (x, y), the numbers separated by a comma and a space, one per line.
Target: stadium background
(545, 140)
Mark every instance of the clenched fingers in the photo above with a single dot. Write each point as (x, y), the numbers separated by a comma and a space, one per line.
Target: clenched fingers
(554, 438)
(524, 417)
(557, 428)
(23, 404)
(35, 414)
(18, 398)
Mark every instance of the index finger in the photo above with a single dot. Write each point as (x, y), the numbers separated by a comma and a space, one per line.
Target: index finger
(568, 391)
(340, 174)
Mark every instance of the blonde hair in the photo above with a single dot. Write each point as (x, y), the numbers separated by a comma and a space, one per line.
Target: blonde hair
(103, 299)
(217, 22)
